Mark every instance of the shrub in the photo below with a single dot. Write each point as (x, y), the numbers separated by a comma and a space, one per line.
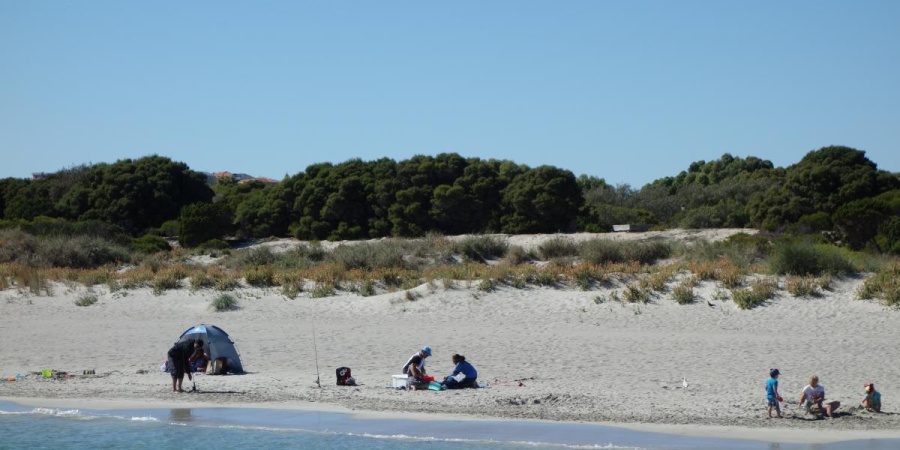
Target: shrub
(260, 276)
(803, 258)
(367, 255)
(86, 300)
(214, 244)
(165, 280)
(151, 244)
(322, 289)
(367, 289)
(261, 256)
(557, 247)
(635, 294)
(657, 281)
(482, 248)
(516, 256)
(81, 252)
(802, 286)
(885, 284)
(486, 285)
(759, 291)
(227, 283)
(224, 302)
(586, 275)
(545, 277)
(683, 293)
(602, 251)
(202, 280)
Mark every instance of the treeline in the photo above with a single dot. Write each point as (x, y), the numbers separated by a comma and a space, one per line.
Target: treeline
(834, 191)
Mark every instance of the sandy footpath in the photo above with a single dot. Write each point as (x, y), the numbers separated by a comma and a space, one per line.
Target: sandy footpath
(577, 360)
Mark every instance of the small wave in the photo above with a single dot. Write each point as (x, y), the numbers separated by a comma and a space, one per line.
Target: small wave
(56, 412)
(143, 419)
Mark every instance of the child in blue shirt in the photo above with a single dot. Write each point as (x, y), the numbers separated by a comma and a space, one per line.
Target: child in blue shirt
(772, 397)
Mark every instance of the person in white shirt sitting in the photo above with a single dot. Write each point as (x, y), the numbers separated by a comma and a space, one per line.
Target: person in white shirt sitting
(813, 398)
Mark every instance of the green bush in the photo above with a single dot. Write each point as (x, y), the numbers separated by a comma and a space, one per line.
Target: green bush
(322, 289)
(758, 292)
(803, 258)
(224, 302)
(635, 294)
(151, 244)
(482, 248)
(603, 251)
(80, 252)
(165, 281)
(86, 300)
(261, 276)
(251, 257)
(558, 247)
(367, 255)
(683, 293)
(214, 244)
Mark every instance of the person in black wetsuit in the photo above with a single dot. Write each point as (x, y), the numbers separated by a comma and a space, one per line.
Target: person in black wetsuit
(179, 355)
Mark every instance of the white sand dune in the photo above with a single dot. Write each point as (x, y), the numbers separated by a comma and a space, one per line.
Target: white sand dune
(576, 359)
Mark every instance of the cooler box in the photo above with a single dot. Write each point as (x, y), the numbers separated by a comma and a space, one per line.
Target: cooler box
(399, 381)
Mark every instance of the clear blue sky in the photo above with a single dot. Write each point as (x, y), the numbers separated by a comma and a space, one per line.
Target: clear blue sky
(629, 91)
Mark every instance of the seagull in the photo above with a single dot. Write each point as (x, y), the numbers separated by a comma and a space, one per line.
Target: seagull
(684, 382)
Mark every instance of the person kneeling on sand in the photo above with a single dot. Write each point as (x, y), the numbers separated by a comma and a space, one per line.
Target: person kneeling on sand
(872, 402)
(199, 360)
(415, 368)
(464, 374)
(813, 397)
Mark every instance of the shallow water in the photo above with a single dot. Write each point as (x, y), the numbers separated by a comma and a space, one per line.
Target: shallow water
(46, 428)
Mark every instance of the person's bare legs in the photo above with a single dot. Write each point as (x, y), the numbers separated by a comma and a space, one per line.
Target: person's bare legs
(831, 407)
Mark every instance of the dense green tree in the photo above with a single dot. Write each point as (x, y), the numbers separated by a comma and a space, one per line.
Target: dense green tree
(543, 200)
(201, 222)
(135, 194)
(823, 180)
(859, 221)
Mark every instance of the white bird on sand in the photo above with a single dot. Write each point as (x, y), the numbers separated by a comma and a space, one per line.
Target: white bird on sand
(684, 382)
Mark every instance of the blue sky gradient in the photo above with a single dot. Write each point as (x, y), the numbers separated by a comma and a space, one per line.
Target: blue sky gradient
(629, 91)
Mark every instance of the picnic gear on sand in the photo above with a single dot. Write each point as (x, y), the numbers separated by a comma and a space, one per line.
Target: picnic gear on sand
(343, 377)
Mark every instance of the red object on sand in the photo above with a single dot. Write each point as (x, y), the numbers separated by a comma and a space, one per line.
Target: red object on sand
(428, 378)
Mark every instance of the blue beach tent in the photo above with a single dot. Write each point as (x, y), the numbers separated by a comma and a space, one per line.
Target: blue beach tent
(216, 344)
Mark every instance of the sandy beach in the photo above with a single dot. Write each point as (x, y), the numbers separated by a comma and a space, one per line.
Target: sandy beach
(546, 354)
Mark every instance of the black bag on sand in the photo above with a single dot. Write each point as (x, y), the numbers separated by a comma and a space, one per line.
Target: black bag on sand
(343, 374)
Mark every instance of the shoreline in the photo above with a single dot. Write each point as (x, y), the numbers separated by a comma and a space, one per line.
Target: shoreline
(769, 435)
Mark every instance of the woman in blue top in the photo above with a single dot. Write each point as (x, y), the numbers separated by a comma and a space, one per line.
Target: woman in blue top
(464, 374)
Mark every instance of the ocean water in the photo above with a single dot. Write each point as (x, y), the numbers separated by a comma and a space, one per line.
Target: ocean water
(238, 428)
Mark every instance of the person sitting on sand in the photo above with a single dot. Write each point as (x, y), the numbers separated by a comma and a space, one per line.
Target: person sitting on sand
(179, 363)
(464, 374)
(813, 397)
(872, 402)
(199, 360)
(415, 368)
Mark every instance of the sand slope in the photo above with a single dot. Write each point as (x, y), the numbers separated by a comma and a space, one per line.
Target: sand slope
(577, 359)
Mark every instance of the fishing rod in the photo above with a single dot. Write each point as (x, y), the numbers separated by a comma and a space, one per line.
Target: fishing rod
(316, 351)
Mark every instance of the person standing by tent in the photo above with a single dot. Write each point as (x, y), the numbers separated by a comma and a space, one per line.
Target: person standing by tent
(179, 356)
(415, 367)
